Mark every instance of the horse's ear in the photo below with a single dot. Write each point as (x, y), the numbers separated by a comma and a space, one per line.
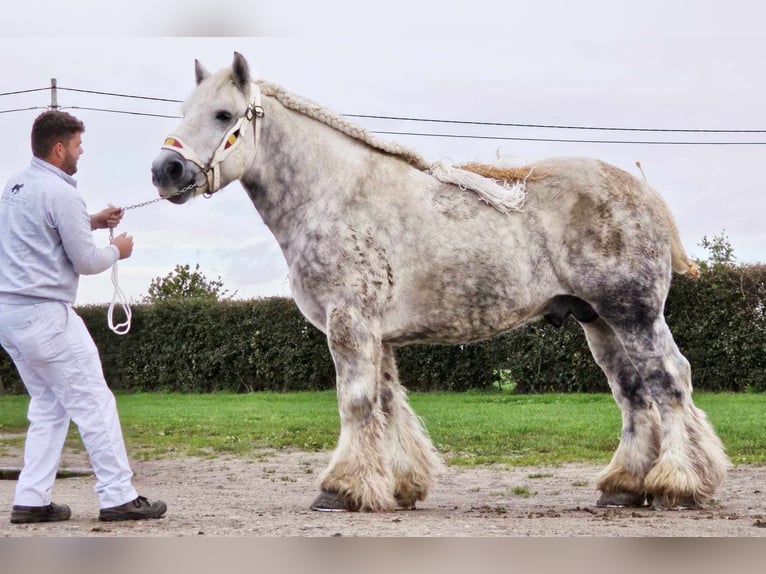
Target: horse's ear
(200, 72)
(241, 71)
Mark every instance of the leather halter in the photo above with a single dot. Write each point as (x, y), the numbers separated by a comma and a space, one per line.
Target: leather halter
(212, 170)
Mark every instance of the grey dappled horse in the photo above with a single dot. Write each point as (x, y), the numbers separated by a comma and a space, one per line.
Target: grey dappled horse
(384, 252)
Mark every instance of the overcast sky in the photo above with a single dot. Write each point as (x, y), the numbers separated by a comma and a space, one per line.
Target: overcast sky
(670, 65)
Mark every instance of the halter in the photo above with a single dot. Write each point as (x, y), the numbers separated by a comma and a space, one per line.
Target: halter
(232, 138)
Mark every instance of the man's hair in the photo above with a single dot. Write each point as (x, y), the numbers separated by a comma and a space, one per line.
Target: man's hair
(53, 126)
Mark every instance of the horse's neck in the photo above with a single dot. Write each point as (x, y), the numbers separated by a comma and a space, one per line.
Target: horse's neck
(304, 169)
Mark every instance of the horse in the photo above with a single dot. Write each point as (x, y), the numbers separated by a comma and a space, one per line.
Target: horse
(385, 249)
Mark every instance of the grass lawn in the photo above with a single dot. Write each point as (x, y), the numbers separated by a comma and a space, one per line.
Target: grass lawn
(469, 428)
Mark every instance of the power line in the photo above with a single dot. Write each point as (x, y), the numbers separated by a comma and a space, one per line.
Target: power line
(114, 94)
(23, 91)
(440, 120)
(23, 109)
(118, 112)
(559, 127)
(477, 137)
(444, 121)
(561, 140)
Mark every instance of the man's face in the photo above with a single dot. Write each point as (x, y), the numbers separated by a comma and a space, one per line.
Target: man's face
(72, 153)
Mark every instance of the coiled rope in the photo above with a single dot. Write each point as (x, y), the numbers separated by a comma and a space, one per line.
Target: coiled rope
(118, 298)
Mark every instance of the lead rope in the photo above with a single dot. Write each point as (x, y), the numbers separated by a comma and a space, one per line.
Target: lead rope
(119, 297)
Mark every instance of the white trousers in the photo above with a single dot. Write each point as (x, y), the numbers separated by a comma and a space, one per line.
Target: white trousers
(61, 369)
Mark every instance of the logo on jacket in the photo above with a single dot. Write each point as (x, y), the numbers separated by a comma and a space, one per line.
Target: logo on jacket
(16, 188)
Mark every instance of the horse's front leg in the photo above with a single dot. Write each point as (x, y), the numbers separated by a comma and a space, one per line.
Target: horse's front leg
(414, 460)
(359, 475)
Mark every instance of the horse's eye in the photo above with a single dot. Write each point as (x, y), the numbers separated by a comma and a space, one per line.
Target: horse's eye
(223, 116)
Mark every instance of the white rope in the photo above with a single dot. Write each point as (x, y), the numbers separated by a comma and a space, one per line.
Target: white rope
(501, 195)
(118, 298)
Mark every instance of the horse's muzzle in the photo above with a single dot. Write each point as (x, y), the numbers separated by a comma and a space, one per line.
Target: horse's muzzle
(170, 173)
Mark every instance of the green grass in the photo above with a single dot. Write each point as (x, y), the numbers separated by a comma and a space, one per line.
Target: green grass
(522, 491)
(469, 428)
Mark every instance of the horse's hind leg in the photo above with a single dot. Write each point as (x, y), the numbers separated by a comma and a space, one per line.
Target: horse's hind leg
(414, 461)
(691, 462)
(359, 474)
(622, 481)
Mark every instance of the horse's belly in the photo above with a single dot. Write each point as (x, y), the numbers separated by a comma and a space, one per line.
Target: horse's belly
(456, 325)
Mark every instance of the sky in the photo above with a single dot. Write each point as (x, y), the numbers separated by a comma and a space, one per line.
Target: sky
(654, 64)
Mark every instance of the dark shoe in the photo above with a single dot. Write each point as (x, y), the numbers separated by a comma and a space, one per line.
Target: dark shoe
(138, 509)
(51, 513)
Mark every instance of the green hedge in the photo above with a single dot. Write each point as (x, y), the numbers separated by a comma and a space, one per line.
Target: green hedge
(719, 322)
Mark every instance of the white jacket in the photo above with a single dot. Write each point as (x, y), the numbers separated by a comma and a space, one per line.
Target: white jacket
(46, 241)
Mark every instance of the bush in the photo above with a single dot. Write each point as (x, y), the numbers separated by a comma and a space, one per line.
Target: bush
(198, 345)
(719, 323)
(205, 346)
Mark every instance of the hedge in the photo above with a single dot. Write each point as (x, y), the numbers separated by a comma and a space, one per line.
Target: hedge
(719, 322)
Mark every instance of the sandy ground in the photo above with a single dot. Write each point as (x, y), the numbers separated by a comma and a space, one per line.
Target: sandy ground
(269, 497)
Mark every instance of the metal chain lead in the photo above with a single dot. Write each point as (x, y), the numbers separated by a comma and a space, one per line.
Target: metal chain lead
(155, 200)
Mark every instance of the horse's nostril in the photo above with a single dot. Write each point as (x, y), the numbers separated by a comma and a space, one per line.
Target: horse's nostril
(174, 169)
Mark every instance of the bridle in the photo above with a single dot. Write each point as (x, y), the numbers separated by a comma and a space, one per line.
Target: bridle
(212, 170)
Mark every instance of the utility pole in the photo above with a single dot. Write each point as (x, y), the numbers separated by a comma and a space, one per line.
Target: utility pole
(54, 95)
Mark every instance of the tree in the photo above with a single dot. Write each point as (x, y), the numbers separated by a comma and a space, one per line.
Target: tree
(720, 249)
(183, 283)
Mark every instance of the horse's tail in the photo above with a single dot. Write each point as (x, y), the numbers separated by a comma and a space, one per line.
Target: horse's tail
(678, 257)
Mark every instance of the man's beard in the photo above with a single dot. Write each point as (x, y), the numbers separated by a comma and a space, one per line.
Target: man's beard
(70, 166)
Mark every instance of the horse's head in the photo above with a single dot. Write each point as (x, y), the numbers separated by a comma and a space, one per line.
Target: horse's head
(216, 141)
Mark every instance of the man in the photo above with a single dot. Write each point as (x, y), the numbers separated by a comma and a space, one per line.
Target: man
(45, 245)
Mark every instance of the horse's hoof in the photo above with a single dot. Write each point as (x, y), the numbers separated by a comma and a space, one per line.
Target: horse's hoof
(331, 502)
(622, 500)
(660, 503)
(405, 502)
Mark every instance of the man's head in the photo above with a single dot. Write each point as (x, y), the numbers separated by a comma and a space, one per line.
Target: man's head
(56, 138)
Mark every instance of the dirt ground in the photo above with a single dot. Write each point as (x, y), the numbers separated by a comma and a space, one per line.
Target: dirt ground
(269, 497)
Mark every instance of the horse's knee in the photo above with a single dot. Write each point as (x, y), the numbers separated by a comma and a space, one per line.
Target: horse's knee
(387, 401)
(357, 409)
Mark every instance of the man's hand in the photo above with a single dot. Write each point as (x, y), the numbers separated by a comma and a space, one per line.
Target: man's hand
(124, 243)
(109, 217)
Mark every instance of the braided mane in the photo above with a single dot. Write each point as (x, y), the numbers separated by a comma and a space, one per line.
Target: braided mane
(501, 186)
(321, 114)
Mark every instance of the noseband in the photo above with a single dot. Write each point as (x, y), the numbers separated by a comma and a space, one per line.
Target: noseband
(212, 170)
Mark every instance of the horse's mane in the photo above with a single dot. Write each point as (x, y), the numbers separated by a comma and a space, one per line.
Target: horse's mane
(502, 186)
(317, 112)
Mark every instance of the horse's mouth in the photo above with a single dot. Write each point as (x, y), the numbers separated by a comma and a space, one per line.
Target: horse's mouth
(177, 195)
(179, 198)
